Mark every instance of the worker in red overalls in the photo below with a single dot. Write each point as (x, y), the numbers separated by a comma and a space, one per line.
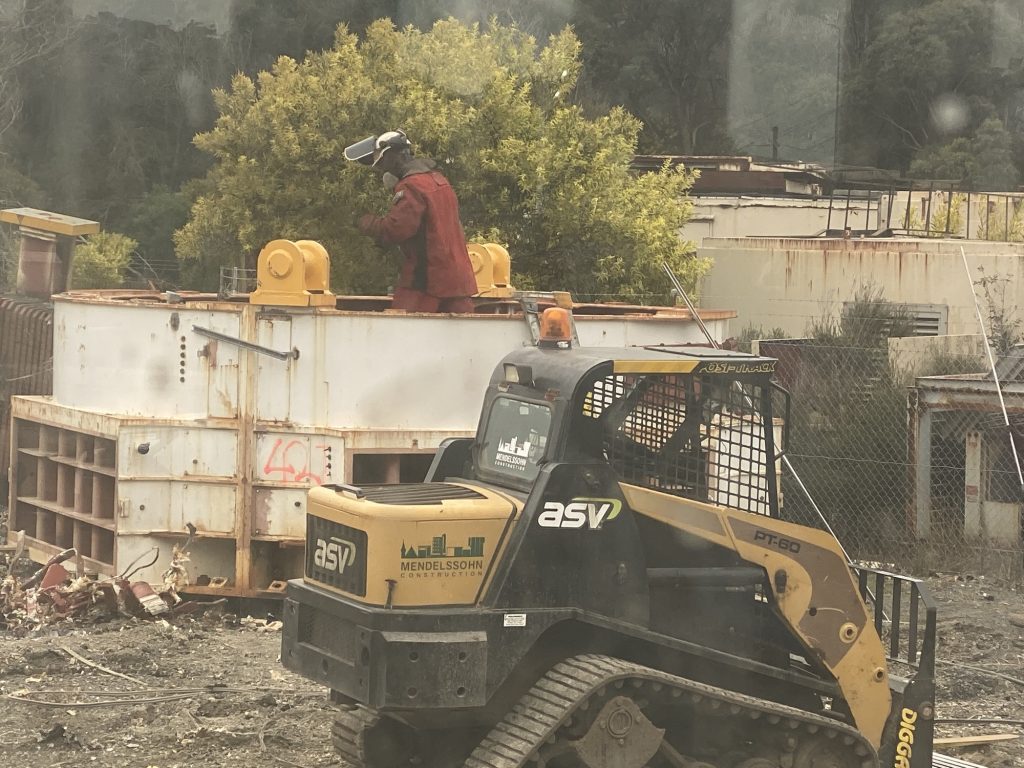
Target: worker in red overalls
(423, 221)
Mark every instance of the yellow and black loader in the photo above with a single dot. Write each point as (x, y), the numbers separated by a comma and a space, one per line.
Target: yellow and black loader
(601, 578)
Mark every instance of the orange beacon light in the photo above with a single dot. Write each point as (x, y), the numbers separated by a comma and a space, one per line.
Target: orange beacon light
(555, 329)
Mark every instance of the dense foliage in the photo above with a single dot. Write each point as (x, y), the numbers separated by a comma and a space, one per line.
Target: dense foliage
(933, 87)
(531, 170)
(98, 110)
(848, 436)
(101, 261)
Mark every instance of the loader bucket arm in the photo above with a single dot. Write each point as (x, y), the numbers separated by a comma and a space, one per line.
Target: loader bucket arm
(904, 615)
(812, 590)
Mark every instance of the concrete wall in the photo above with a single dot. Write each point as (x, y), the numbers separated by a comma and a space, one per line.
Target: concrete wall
(790, 282)
(776, 217)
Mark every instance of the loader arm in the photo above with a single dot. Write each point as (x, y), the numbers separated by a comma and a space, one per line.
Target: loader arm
(812, 587)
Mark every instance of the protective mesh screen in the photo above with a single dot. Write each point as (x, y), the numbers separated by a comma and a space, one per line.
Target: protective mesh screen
(702, 438)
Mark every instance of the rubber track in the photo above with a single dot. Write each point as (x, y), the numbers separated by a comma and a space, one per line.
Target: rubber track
(550, 704)
(347, 733)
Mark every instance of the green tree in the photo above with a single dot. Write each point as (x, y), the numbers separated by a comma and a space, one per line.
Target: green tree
(530, 169)
(668, 63)
(152, 222)
(785, 77)
(983, 161)
(909, 60)
(136, 93)
(101, 261)
(1004, 325)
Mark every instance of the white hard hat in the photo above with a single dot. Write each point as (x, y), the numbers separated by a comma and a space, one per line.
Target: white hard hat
(389, 140)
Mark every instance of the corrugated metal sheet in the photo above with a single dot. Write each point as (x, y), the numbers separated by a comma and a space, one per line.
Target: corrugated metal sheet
(26, 360)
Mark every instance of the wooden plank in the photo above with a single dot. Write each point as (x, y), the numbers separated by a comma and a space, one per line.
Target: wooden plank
(973, 741)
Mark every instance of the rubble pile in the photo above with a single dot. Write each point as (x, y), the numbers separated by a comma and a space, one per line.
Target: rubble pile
(60, 590)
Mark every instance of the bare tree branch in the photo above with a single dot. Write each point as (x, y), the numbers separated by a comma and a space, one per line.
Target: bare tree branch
(913, 142)
(26, 35)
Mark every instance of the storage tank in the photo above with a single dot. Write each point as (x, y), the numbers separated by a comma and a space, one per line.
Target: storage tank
(169, 409)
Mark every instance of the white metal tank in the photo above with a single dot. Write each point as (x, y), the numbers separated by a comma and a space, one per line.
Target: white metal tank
(175, 409)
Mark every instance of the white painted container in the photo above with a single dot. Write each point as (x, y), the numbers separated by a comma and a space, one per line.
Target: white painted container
(170, 426)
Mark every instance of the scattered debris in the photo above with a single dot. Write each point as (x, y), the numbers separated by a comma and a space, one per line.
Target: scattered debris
(262, 625)
(100, 667)
(56, 592)
(176, 576)
(147, 599)
(58, 734)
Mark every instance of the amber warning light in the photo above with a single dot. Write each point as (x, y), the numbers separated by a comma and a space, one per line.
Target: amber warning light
(555, 328)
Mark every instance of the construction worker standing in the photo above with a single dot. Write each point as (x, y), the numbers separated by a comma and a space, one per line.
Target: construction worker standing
(423, 221)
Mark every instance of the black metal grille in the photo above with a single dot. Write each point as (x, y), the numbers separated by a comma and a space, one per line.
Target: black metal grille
(336, 555)
(418, 493)
(327, 633)
(700, 437)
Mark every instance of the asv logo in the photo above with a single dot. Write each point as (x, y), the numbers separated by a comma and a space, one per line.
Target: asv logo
(592, 513)
(334, 555)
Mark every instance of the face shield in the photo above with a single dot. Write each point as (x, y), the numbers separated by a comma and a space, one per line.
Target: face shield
(362, 151)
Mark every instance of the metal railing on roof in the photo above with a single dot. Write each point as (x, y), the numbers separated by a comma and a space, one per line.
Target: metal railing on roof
(926, 208)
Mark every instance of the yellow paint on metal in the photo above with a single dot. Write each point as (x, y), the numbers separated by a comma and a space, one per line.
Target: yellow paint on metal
(654, 366)
(492, 267)
(293, 275)
(819, 599)
(402, 544)
(47, 221)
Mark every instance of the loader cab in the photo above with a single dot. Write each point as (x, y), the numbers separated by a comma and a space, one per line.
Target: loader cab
(690, 421)
(569, 431)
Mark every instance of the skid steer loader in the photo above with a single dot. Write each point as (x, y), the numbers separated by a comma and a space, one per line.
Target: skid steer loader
(601, 578)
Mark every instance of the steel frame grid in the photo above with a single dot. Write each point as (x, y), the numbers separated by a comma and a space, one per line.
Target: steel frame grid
(720, 455)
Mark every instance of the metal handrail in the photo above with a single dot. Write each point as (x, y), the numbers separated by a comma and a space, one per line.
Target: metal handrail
(917, 647)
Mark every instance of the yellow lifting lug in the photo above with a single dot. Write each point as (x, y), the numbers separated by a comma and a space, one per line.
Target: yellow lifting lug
(293, 274)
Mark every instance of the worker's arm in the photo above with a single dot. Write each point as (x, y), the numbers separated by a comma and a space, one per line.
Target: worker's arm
(400, 223)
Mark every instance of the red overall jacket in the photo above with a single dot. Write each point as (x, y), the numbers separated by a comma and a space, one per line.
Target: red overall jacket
(424, 222)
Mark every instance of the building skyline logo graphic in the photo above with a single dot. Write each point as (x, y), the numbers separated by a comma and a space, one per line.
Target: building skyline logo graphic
(514, 447)
(438, 548)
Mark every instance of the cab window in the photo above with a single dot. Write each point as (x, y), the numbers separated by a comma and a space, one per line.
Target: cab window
(515, 438)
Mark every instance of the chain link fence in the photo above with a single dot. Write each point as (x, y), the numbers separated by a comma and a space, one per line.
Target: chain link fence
(914, 472)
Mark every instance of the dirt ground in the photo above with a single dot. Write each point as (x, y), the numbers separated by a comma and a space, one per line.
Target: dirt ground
(978, 636)
(269, 717)
(266, 716)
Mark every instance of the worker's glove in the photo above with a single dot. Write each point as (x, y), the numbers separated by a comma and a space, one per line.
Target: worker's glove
(366, 222)
(390, 180)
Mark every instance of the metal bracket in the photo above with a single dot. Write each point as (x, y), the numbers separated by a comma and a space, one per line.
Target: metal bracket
(292, 354)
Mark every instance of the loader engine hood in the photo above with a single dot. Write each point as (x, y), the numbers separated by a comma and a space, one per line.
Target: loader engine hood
(406, 545)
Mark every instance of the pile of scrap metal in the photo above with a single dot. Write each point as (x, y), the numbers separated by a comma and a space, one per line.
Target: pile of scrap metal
(53, 593)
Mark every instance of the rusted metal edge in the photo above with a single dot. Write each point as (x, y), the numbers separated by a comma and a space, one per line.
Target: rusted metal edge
(373, 306)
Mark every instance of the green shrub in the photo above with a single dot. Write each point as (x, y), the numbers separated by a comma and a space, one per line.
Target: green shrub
(100, 261)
